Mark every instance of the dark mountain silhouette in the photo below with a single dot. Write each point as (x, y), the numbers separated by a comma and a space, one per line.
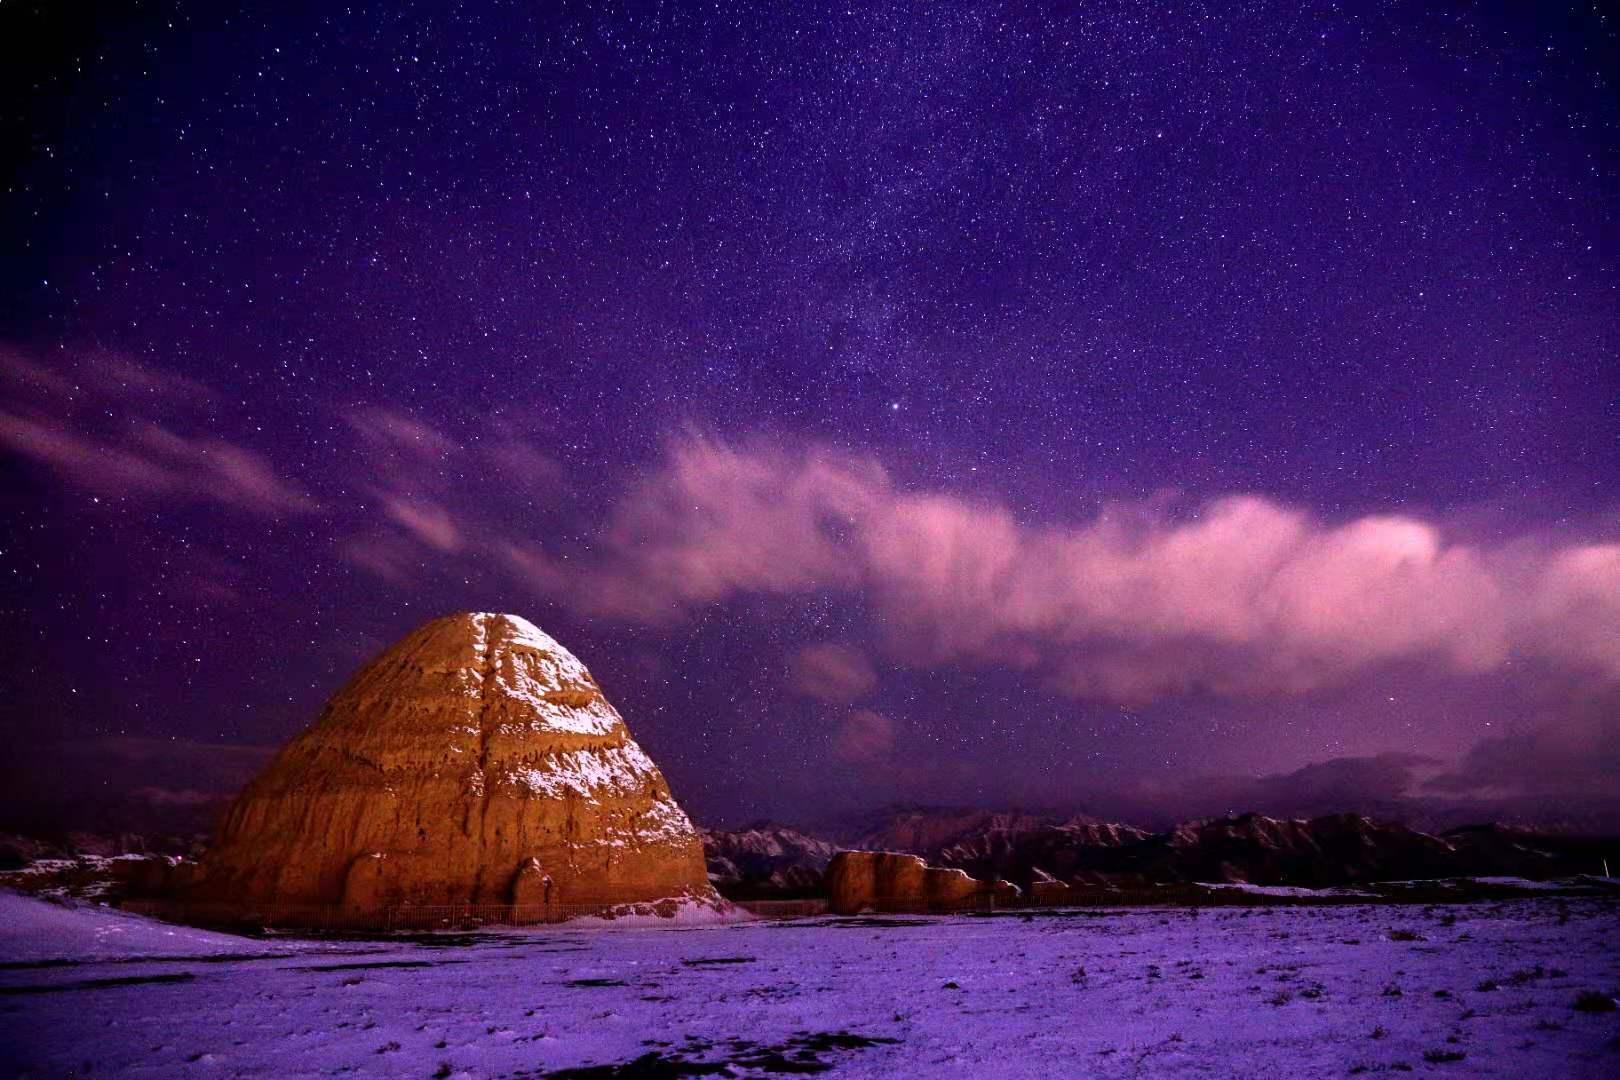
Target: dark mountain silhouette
(1028, 848)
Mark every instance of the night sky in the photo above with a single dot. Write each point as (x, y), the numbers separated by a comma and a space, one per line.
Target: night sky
(958, 403)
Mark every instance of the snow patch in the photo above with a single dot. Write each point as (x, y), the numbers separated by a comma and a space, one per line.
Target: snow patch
(32, 930)
(1523, 883)
(532, 666)
(1135, 994)
(621, 769)
(672, 912)
(1278, 890)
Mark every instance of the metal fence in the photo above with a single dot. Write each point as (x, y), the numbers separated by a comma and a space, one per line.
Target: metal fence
(426, 917)
(403, 917)
(472, 916)
(1074, 896)
(783, 909)
(238, 916)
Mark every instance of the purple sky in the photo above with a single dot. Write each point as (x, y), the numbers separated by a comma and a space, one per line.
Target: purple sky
(954, 403)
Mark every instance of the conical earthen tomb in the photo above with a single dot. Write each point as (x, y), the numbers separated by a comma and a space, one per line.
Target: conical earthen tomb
(474, 761)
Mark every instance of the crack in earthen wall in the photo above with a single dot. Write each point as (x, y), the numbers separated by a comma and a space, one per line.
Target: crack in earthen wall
(486, 704)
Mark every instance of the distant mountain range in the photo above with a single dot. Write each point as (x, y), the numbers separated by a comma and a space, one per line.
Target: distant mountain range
(765, 860)
(769, 860)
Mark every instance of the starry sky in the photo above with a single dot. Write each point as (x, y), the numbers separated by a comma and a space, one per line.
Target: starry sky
(1141, 411)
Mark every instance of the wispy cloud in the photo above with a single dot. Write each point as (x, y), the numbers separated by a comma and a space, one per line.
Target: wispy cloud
(1571, 749)
(115, 428)
(427, 522)
(389, 431)
(1238, 596)
(437, 497)
(832, 672)
(864, 737)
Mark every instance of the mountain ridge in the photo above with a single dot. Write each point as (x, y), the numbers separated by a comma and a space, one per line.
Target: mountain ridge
(1253, 848)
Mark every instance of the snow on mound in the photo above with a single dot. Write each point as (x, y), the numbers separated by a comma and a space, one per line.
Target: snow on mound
(33, 929)
(672, 911)
(1522, 883)
(1280, 890)
(1464, 886)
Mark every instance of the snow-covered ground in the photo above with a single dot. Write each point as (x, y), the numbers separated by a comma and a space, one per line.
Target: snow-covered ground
(33, 932)
(1472, 990)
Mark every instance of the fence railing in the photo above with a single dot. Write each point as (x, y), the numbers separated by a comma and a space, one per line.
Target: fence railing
(424, 917)
(1081, 896)
(263, 916)
(784, 909)
(470, 916)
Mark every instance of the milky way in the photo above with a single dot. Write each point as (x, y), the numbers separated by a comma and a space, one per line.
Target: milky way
(961, 403)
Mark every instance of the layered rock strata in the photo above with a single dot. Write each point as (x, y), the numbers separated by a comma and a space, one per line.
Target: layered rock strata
(474, 761)
(890, 881)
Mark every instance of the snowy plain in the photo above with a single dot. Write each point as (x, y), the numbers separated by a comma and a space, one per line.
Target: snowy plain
(1452, 990)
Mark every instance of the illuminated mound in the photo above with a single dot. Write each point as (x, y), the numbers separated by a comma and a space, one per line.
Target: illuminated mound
(474, 761)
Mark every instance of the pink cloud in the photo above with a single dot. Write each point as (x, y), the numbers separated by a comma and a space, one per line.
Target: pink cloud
(154, 461)
(1575, 610)
(439, 497)
(111, 426)
(428, 522)
(392, 431)
(388, 557)
(26, 375)
(119, 377)
(864, 737)
(533, 566)
(524, 464)
(223, 471)
(1240, 596)
(715, 522)
(97, 373)
(830, 672)
(97, 466)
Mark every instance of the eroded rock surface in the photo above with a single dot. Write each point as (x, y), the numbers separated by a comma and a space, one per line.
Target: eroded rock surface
(474, 761)
(764, 861)
(890, 881)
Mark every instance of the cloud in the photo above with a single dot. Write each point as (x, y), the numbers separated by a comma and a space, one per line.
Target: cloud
(389, 557)
(1573, 750)
(1336, 784)
(116, 428)
(100, 467)
(713, 523)
(122, 784)
(1552, 777)
(428, 522)
(1240, 596)
(1575, 607)
(1380, 784)
(838, 674)
(153, 461)
(109, 425)
(863, 737)
(521, 463)
(537, 569)
(1244, 596)
(393, 432)
(187, 797)
(98, 374)
(438, 496)
(222, 471)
